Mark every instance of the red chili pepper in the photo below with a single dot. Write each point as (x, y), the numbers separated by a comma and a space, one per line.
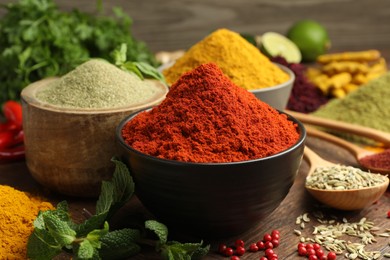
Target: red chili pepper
(6, 139)
(12, 111)
(12, 154)
(6, 126)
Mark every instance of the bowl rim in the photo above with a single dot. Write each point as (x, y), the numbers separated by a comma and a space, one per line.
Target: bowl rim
(119, 137)
(28, 95)
(287, 83)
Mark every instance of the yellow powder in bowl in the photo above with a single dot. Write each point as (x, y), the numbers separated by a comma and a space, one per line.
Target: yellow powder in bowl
(242, 62)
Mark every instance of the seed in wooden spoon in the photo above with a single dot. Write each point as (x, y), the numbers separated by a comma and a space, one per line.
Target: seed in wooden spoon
(377, 161)
(341, 177)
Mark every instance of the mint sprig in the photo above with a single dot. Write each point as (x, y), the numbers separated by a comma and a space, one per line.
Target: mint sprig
(141, 69)
(55, 232)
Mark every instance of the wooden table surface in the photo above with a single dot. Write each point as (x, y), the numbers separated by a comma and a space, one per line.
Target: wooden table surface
(172, 25)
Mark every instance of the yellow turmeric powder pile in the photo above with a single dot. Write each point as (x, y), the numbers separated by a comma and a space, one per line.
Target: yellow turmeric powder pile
(242, 62)
(17, 213)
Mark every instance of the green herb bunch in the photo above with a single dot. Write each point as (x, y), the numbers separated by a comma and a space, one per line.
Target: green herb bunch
(55, 232)
(37, 40)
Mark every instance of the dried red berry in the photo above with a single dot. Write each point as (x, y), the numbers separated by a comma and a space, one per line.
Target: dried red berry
(267, 237)
(310, 251)
(268, 244)
(302, 251)
(268, 252)
(388, 214)
(316, 246)
(260, 245)
(228, 251)
(275, 242)
(263, 258)
(222, 248)
(331, 256)
(313, 257)
(240, 250)
(234, 258)
(253, 247)
(239, 242)
(319, 253)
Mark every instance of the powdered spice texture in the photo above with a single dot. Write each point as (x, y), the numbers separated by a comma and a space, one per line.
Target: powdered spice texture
(17, 213)
(207, 118)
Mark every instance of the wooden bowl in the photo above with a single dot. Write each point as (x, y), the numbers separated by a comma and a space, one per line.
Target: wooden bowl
(70, 150)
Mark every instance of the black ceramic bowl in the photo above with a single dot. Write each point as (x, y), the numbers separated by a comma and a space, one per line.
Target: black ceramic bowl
(212, 199)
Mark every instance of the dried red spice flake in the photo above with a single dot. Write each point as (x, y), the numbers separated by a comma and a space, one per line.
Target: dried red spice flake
(304, 97)
(377, 161)
(207, 118)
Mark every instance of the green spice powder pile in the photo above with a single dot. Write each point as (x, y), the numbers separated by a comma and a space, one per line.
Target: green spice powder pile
(97, 84)
(368, 106)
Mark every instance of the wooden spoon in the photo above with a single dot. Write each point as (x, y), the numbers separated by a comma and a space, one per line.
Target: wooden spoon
(357, 151)
(368, 132)
(342, 199)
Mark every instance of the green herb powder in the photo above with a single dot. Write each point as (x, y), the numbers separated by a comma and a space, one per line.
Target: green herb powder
(97, 84)
(368, 106)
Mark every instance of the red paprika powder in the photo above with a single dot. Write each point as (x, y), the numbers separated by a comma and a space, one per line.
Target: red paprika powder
(207, 118)
(379, 160)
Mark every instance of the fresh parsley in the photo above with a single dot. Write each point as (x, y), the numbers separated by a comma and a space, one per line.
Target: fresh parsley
(55, 232)
(38, 40)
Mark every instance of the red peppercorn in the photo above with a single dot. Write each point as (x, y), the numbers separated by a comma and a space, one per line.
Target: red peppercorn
(268, 252)
(302, 251)
(316, 246)
(309, 246)
(263, 258)
(301, 245)
(222, 248)
(260, 245)
(331, 256)
(267, 237)
(310, 251)
(275, 236)
(275, 242)
(228, 251)
(324, 257)
(253, 247)
(240, 250)
(274, 255)
(319, 253)
(268, 244)
(234, 258)
(275, 231)
(273, 258)
(388, 214)
(239, 242)
(313, 257)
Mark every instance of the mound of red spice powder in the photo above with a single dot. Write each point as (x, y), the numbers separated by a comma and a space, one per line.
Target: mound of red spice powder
(207, 118)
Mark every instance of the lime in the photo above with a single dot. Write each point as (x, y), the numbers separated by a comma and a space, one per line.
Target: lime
(274, 44)
(311, 38)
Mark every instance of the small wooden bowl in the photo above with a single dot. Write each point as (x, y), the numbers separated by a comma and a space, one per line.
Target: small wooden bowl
(70, 150)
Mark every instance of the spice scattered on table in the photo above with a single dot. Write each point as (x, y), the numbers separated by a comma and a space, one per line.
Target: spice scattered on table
(367, 106)
(207, 118)
(340, 235)
(304, 97)
(17, 213)
(377, 161)
(242, 62)
(341, 177)
(97, 84)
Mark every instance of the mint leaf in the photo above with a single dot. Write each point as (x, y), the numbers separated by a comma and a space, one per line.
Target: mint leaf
(41, 245)
(59, 229)
(106, 198)
(85, 250)
(120, 244)
(94, 222)
(149, 71)
(94, 236)
(159, 229)
(174, 250)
